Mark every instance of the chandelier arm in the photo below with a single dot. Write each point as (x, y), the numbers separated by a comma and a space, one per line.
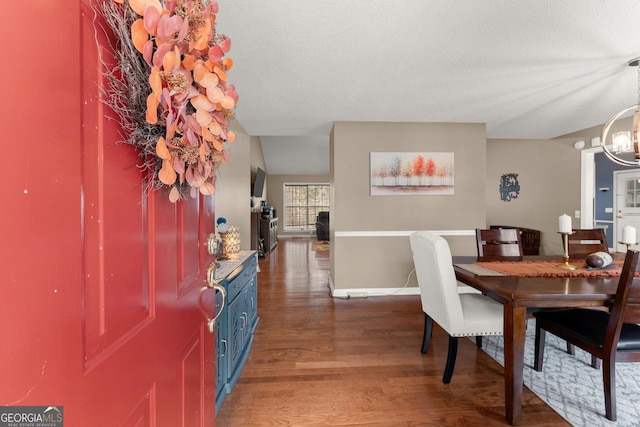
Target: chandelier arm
(636, 120)
(605, 133)
(635, 62)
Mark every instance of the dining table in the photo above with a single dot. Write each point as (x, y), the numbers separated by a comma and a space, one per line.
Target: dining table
(534, 282)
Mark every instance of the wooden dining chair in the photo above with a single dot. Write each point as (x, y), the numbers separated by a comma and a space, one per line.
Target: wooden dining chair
(499, 243)
(459, 314)
(612, 336)
(583, 242)
(530, 238)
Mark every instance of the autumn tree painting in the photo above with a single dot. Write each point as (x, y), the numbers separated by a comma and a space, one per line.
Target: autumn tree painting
(412, 174)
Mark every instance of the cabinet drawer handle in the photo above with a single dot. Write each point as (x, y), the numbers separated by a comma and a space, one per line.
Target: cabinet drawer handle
(224, 353)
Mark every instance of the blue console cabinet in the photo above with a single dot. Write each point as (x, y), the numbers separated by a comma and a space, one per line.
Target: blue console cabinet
(237, 323)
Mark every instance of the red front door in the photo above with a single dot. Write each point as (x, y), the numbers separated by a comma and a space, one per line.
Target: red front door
(99, 296)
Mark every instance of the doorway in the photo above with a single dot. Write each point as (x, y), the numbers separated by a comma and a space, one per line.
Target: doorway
(602, 184)
(627, 203)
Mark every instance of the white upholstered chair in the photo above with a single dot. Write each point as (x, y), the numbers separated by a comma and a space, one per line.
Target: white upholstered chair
(459, 314)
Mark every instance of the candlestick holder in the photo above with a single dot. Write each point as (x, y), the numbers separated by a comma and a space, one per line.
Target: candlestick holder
(565, 245)
(628, 245)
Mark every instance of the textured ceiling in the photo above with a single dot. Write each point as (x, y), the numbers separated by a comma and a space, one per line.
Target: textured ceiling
(526, 68)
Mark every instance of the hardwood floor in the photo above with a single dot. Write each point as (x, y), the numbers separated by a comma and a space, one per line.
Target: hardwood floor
(323, 361)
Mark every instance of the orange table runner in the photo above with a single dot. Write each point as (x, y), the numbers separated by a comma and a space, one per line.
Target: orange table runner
(550, 268)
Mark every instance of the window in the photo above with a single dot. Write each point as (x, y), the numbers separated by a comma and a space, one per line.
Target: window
(302, 202)
(632, 194)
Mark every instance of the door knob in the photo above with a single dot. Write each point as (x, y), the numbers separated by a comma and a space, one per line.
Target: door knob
(214, 286)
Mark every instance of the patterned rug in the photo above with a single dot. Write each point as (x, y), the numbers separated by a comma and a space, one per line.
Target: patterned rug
(320, 245)
(571, 386)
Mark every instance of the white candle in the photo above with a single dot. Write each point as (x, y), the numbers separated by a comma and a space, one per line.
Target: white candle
(629, 235)
(565, 223)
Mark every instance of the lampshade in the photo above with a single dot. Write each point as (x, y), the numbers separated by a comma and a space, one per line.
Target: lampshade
(622, 147)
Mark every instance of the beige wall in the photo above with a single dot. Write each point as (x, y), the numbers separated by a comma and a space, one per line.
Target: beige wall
(549, 177)
(360, 256)
(233, 186)
(595, 132)
(370, 233)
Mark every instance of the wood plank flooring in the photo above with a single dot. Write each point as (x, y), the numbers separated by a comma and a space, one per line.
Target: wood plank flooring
(323, 361)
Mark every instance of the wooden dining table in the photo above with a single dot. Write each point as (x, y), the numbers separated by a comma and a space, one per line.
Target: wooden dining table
(539, 289)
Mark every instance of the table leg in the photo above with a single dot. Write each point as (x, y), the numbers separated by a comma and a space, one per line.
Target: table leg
(514, 337)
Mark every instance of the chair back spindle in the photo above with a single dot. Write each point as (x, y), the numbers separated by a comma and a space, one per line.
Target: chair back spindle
(499, 243)
(583, 242)
(530, 238)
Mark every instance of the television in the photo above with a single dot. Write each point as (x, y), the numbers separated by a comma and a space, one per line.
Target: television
(258, 184)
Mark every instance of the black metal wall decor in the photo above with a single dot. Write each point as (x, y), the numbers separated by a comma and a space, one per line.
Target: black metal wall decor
(509, 187)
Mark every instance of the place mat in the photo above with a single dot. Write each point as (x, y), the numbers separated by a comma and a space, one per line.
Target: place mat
(549, 269)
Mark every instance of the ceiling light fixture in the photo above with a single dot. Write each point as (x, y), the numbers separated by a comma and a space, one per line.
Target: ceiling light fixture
(623, 147)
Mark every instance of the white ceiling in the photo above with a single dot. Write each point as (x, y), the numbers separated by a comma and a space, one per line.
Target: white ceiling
(526, 68)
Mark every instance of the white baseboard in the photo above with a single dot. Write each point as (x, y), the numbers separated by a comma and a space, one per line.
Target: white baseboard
(371, 292)
(297, 235)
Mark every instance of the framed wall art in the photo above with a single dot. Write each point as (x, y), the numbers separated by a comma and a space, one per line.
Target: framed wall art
(509, 187)
(411, 174)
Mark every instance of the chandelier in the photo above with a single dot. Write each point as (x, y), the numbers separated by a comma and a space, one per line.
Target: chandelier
(623, 147)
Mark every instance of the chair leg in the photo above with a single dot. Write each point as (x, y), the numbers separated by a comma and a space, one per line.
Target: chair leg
(538, 353)
(479, 341)
(609, 379)
(426, 338)
(571, 349)
(451, 359)
(595, 362)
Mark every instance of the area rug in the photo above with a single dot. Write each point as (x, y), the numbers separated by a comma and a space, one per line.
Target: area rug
(320, 245)
(571, 386)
